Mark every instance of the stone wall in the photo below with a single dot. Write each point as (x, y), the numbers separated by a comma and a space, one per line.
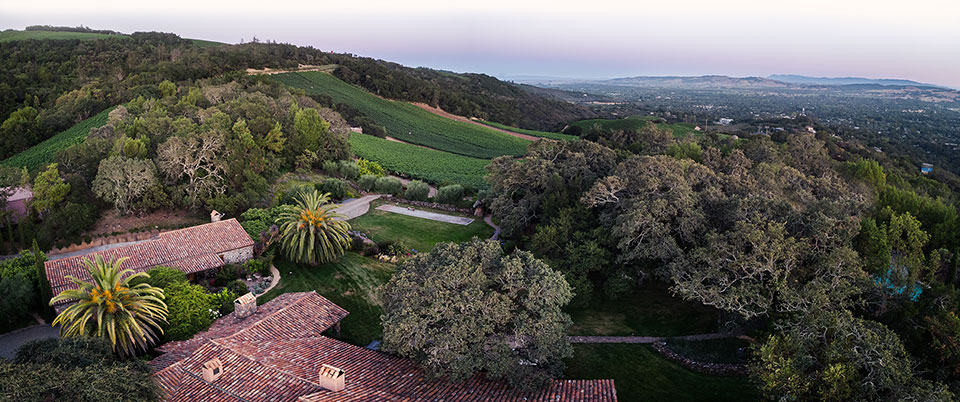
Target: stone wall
(718, 369)
(238, 256)
(425, 204)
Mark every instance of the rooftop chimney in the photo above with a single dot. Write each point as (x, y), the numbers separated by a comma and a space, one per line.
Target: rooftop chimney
(331, 378)
(245, 305)
(215, 216)
(212, 370)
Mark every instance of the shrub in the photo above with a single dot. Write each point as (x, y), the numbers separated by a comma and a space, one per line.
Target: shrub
(161, 277)
(417, 191)
(224, 300)
(257, 266)
(19, 295)
(451, 194)
(238, 287)
(370, 167)
(228, 273)
(256, 220)
(189, 309)
(349, 170)
(336, 187)
(289, 196)
(397, 248)
(356, 243)
(367, 182)
(331, 167)
(389, 185)
(66, 353)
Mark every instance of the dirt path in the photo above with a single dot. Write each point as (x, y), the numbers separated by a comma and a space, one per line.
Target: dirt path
(274, 280)
(303, 67)
(649, 339)
(496, 229)
(440, 112)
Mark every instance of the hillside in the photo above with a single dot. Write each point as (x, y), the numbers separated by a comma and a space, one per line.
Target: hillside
(12, 35)
(42, 154)
(420, 163)
(407, 122)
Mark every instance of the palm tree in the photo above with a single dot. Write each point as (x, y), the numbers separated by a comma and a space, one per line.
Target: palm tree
(112, 309)
(310, 232)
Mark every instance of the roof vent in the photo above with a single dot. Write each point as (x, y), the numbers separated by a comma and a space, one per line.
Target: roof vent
(331, 378)
(212, 370)
(245, 305)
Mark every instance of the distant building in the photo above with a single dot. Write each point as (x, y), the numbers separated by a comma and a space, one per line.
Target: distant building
(725, 121)
(926, 168)
(811, 130)
(18, 201)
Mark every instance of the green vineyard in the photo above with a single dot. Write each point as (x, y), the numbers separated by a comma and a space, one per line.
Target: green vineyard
(408, 122)
(420, 163)
(535, 133)
(42, 154)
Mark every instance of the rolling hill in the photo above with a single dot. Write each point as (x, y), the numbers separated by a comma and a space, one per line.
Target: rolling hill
(407, 122)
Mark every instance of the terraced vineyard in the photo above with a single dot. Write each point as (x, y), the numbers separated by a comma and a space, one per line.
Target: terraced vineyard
(408, 122)
(420, 163)
(535, 133)
(42, 154)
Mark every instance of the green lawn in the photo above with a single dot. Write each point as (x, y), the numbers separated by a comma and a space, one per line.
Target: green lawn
(42, 154)
(535, 133)
(12, 35)
(408, 122)
(418, 233)
(420, 163)
(350, 282)
(648, 311)
(641, 374)
(714, 350)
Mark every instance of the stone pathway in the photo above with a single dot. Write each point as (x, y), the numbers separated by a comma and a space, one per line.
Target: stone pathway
(275, 275)
(11, 341)
(649, 339)
(357, 207)
(459, 220)
(496, 229)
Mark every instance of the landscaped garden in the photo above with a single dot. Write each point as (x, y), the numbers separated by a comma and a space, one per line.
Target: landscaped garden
(417, 233)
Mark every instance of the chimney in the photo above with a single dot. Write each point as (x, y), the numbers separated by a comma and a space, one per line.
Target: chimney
(245, 305)
(212, 370)
(215, 216)
(331, 378)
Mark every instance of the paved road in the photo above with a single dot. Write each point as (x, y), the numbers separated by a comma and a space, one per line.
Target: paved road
(357, 207)
(649, 339)
(10, 341)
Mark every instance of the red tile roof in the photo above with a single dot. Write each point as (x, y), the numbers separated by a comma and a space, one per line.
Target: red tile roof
(190, 250)
(278, 358)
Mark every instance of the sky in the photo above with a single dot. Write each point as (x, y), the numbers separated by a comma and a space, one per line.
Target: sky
(916, 39)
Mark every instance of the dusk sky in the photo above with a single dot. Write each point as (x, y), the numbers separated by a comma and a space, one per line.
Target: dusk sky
(917, 40)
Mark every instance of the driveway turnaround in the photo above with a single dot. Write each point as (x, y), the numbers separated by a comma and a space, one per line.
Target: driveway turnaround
(11, 341)
(426, 215)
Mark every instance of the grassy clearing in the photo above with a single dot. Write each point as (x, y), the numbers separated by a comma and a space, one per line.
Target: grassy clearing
(408, 122)
(426, 164)
(417, 233)
(42, 154)
(648, 311)
(535, 133)
(351, 282)
(726, 350)
(641, 374)
(12, 35)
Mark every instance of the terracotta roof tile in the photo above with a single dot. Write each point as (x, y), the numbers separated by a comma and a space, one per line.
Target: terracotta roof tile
(190, 250)
(276, 355)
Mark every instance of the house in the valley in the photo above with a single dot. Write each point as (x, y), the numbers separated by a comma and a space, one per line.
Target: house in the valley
(193, 250)
(278, 353)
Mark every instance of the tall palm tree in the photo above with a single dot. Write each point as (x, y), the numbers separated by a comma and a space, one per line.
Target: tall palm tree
(310, 232)
(110, 308)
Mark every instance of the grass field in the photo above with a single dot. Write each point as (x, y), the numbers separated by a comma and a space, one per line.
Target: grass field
(12, 35)
(42, 154)
(420, 163)
(648, 311)
(680, 130)
(350, 282)
(641, 374)
(408, 122)
(535, 133)
(417, 233)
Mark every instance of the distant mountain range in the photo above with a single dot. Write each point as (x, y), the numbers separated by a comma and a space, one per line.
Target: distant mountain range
(727, 82)
(802, 79)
